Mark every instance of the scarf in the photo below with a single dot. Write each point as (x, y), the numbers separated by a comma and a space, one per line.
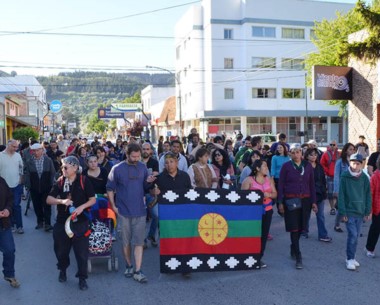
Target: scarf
(354, 173)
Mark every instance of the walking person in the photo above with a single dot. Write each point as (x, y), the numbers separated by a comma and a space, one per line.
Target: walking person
(130, 181)
(354, 204)
(340, 167)
(311, 155)
(7, 245)
(259, 180)
(222, 166)
(296, 197)
(201, 173)
(374, 229)
(12, 170)
(73, 195)
(39, 179)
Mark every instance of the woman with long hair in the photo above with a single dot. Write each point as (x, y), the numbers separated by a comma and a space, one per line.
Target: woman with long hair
(259, 180)
(97, 175)
(247, 170)
(102, 158)
(82, 156)
(201, 173)
(311, 155)
(296, 197)
(341, 166)
(222, 166)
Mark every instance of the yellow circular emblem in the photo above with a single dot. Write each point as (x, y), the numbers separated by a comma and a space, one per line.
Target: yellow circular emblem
(212, 228)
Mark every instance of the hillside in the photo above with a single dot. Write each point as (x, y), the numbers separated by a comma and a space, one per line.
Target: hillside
(82, 92)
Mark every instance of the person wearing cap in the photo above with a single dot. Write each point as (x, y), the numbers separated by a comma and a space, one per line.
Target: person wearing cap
(39, 179)
(296, 198)
(354, 204)
(362, 148)
(312, 144)
(12, 170)
(73, 195)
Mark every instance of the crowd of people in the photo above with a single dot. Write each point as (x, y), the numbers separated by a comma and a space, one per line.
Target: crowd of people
(294, 179)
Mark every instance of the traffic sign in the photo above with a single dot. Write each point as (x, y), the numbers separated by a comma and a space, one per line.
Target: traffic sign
(129, 107)
(55, 106)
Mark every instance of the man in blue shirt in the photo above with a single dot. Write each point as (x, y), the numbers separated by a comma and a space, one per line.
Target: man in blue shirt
(130, 181)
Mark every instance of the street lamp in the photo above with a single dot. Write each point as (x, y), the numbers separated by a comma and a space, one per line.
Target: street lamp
(179, 94)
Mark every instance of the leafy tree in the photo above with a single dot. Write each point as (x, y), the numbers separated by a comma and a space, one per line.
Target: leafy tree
(24, 133)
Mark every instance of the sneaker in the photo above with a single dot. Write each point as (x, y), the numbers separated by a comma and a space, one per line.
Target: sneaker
(262, 264)
(186, 275)
(12, 281)
(299, 264)
(83, 284)
(140, 277)
(20, 231)
(14, 229)
(350, 264)
(333, 211)
(356, 263)
(325, 239)
(369, 253)
(338, 229)
(128, 271)
(39, 226)
(48, 228)
(153, 241)
(62, 276)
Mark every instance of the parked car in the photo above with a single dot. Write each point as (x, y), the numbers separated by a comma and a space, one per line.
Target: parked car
(266, 138)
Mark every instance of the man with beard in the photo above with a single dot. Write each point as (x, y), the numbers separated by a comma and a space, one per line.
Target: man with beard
(130, 180)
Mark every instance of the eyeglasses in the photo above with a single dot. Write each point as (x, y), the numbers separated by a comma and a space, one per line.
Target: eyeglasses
(331, 144)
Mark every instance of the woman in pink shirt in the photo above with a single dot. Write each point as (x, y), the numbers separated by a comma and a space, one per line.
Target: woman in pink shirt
(258, 180)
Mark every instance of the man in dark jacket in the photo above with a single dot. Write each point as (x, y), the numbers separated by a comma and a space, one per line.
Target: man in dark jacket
(7, 245)
(39, 179)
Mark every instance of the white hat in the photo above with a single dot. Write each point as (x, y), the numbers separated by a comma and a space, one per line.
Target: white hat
(312, 142)
(36, 146)
(295, 146)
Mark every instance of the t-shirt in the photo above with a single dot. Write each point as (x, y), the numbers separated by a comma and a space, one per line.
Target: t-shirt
(99, 183)
(78, 195)
(129, 182)
(152, 164)
(166, 182)
(11, 168)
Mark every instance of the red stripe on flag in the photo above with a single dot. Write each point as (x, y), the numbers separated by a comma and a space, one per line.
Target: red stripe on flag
(195, 245)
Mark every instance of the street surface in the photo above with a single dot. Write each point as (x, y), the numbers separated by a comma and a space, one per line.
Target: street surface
(324, 279)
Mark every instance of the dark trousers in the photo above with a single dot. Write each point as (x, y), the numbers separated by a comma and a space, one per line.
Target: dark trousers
(41, 208)
(63, 244)
(265, 227)
(295, 243)
(374, 233)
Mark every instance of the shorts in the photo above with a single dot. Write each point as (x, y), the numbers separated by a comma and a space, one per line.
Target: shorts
(132, 230)
(330, 187)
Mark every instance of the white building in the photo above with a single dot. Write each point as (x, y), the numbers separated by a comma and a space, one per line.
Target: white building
(240, 67)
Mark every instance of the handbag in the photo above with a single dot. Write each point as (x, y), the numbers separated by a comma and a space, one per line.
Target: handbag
(293, 204)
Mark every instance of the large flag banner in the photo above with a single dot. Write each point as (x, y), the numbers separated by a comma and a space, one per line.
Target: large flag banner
(209, 230)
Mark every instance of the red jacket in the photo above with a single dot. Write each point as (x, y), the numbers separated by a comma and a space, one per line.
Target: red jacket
(328, 161)
(375, 191)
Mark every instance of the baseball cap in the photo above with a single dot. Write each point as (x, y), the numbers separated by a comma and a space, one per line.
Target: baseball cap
(356, 157)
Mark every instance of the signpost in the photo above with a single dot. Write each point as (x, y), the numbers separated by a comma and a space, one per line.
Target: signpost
(55, 106)
(130, 107)
(107, 113)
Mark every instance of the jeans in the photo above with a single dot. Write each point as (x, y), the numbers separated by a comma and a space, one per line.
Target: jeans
(373, 234)
(353, 226)
(7, 246)
(322, 231)
(16, 213)
(154, 214)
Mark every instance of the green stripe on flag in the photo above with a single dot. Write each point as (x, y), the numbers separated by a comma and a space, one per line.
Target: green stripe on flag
(189, 228)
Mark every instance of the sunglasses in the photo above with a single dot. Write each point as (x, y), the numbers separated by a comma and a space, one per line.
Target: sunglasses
(332, 144)
(218, 155)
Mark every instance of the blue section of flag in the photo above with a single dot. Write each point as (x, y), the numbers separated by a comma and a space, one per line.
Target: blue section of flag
(196, 211)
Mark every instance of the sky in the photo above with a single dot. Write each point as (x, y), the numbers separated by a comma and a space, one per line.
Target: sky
(49, 53)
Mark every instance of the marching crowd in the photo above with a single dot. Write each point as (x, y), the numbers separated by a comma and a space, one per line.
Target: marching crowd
(296, 179)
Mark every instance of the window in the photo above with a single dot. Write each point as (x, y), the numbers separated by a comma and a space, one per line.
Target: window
(263, 62)
(293, 64)
(228, 63)
(228, 93)
(228, 34)
(263, 93)
(293, 93)
(261, 31)
(293, 33)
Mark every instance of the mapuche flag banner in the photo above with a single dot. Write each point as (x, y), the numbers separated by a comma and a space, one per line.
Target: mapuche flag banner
(209, 230)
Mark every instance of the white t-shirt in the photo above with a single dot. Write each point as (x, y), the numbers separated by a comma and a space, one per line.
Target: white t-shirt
(11, 168)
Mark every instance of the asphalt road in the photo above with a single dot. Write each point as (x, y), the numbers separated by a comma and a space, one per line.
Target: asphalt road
(324, 279)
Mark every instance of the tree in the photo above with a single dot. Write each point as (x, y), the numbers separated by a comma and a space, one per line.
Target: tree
(24, 133)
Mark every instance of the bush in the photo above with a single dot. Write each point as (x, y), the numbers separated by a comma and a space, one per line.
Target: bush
(24, 133)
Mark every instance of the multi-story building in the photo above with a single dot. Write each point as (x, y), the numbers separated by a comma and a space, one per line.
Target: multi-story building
(240, 68)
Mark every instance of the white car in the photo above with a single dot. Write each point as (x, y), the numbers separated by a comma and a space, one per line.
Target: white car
(266, 138)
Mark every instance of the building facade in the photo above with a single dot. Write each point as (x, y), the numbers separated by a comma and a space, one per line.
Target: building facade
(240, 68)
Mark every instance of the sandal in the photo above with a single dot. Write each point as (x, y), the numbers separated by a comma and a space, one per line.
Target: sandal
(338, 229)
